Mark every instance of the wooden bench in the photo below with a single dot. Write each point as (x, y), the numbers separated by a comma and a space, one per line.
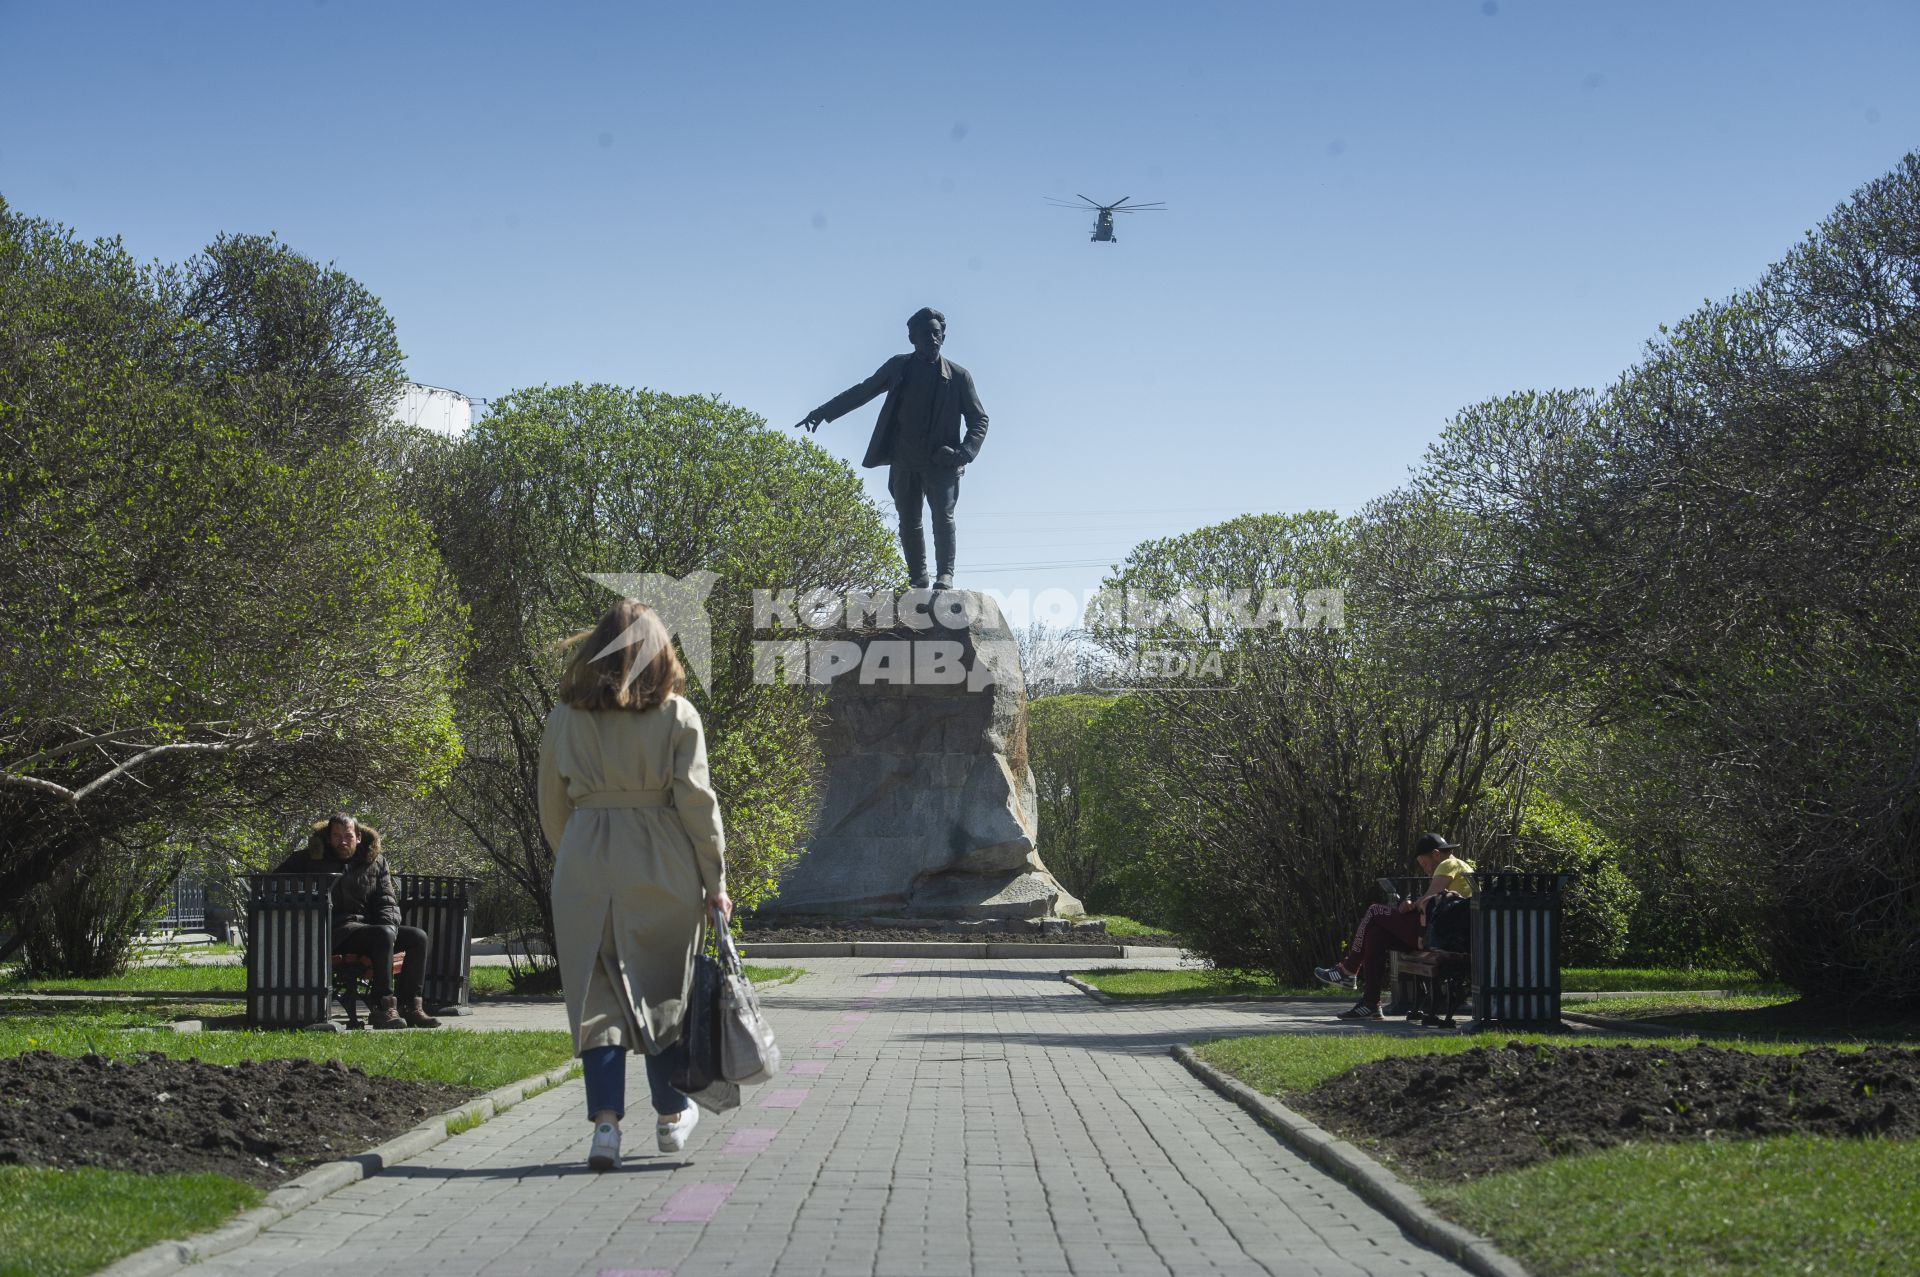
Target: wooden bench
(1431, 974)
(1512, 974)
(292, 971)
(350, 971)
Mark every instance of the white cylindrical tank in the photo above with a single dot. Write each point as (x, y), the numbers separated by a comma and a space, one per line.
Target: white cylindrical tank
(435, 408)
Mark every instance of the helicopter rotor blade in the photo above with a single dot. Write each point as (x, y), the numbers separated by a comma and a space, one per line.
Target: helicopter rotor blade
(1123, 199)
(1142, 208)
(1094, 203)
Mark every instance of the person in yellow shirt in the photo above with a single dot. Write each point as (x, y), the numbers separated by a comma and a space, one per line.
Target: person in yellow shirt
(1387, 927)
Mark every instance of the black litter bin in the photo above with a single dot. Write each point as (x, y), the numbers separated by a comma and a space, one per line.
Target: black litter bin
(289, 950)
(442, 906)
(1516, 948)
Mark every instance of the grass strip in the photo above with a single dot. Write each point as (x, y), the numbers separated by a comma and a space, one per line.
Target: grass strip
(1281, 1064)
(1137, 985)
(1759, 1017)
(1121, 927)
(1202, 982)
(1756, 1208)
(1656, 979)
(460, 1056)
(62, 1223)
(175, 978)
(486, 981)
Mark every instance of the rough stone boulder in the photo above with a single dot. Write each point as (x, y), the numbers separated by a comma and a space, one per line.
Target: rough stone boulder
(929, 808)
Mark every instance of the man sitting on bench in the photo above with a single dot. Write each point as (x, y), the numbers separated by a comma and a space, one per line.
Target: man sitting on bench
(366, 916)
(1384, 928)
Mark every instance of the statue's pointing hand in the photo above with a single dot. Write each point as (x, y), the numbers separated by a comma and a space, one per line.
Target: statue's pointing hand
(812, 422)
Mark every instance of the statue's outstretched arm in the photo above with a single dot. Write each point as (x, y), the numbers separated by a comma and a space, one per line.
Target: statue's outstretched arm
(852, 397)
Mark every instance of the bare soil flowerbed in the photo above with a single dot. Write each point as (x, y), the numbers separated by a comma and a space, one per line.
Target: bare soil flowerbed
(261, 1121)
(1456, 1117)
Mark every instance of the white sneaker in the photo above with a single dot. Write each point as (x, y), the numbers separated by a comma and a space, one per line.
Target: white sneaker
(673, 1135)
(604, 1153)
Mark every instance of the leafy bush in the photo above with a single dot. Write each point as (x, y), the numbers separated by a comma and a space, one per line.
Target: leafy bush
(1600, 899)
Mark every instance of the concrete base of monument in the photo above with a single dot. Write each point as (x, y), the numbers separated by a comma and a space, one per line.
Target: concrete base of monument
(1016, 898)
(929, 808)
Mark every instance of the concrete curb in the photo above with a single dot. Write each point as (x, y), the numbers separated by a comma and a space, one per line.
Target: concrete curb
(1100, 995)
(1097, 995)
(1346, 1163)
(330, 1177)
(946, 949)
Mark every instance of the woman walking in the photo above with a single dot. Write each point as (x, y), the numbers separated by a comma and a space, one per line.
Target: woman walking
(639, 855)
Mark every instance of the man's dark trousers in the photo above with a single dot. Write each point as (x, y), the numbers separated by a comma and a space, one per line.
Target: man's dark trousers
(378, 944)
(939, 488)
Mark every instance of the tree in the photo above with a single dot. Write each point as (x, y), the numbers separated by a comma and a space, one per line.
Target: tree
(1059, 731)
(557, 483)
(1717, 560)
(1286, 788)
(199, 619)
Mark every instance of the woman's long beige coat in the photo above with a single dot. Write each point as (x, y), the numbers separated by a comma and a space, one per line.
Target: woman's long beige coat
(628, 806)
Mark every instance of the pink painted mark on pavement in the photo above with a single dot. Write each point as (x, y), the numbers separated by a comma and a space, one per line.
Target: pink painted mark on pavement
(867, 1002)
(898, 964)
(751, 1139)
(829, 1044)
(694, 1204)
(809, 1068)
(854, 1017)
(885, 985)
(636, 1272)
(791, 1098)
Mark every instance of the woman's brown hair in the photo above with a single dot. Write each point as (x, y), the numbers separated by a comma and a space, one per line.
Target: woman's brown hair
(626, 661)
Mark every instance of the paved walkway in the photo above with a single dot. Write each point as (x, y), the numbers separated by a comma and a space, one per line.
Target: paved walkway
(936, 1117)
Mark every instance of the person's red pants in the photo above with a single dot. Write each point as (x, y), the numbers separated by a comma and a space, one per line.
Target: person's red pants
(1385, 933)
(1350, 963)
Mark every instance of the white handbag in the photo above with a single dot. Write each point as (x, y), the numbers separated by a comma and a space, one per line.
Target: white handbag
(748, 1053)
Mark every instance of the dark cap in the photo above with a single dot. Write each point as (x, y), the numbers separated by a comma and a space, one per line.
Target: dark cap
(1431, 843)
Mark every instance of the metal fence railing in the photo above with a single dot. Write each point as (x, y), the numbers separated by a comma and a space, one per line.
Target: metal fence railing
(186, 906)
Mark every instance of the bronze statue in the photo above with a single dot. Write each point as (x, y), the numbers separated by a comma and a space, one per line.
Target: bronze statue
(918, 438)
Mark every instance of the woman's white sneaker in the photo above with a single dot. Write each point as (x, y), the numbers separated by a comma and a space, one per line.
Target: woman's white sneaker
(673, 1135)
(604, 1153)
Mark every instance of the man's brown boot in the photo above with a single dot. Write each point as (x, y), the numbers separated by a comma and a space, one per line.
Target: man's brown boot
(384, 1016)
(417, 1016)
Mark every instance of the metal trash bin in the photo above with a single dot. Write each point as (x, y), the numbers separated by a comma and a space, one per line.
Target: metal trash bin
(441, 905)
(289, 950)
(1516, 948)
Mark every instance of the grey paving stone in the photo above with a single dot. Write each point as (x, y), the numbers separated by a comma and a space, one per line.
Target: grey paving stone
(983, 1119)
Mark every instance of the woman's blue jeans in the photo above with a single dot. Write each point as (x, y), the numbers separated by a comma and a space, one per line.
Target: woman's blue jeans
(605, 1071)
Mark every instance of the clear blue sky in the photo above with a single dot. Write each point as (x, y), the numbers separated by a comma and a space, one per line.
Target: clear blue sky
(1379, 212)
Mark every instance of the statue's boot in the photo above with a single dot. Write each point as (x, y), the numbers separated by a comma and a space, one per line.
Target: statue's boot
(943, 538)
(913, 543)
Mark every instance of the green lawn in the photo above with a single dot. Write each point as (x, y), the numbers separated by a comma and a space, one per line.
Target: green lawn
(1735, 1208)
(1797, 1205)
(1134, 984)
(459, 1056)
(76, 1221)
(174, 978)
(1757, 1016)
(1121, 927)
(1291, 1062)
(65, 1223)
(184, 978)
(1209, 983)
(1652, 979)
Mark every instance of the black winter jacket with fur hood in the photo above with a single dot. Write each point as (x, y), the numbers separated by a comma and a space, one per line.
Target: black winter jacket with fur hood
(364, 894)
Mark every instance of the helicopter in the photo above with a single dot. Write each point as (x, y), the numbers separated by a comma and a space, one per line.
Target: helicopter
(1103, 224)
